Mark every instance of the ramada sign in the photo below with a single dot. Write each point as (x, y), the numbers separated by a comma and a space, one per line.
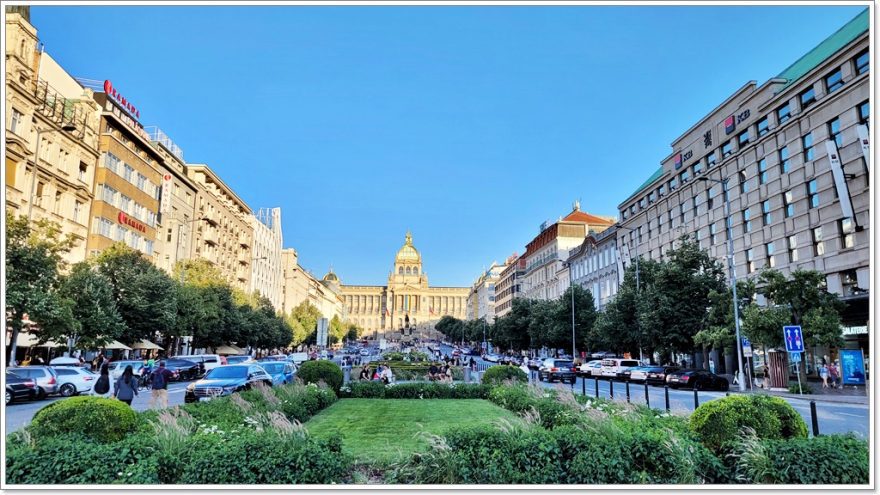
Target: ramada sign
(131, 222)
(111, 91)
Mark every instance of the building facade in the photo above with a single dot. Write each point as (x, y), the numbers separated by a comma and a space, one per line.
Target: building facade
(267, 274)
(484, 292)
(406, 301)
(43, 101)
(794, 152)
(224, 233)
(594, 266)
(546, 252)
(509, 284)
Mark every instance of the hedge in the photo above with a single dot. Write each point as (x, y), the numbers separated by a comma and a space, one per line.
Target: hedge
(422, 390)
(403, 370)
(321, 371)
(496, 375)
(720, 423)
(831, 459)
(105, 420)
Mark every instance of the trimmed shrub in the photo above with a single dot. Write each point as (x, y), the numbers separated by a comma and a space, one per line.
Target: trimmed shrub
(105, 420)
(321, 371)
(436, 391)
(832, 459)
(496, 375)
(516, 398)
(794, 388)
(364, 390)
(720, 423)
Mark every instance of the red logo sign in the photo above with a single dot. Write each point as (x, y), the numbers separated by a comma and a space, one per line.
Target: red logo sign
(729, 124)
(111, 91)
(678, 161)
(131, 222)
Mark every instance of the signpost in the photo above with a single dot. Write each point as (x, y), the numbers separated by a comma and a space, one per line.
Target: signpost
(747, 353)
(794, 344)
(323, 325)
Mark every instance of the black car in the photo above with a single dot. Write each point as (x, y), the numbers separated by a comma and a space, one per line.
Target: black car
(656, 375)
(226, 380)
(18, 388)
(563, 370)
(182, 369)
(697, 379)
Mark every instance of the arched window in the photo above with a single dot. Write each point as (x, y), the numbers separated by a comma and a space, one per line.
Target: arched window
(408, 271)
(416, 271)
(400, 271)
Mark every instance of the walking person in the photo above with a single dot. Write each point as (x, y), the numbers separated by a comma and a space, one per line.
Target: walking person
(103, 386)
(525, 369)
(834, 372)
(160, 378)
(823, 374)
(126, 386)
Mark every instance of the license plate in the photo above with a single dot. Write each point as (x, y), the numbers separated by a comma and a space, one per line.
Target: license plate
(204, 399)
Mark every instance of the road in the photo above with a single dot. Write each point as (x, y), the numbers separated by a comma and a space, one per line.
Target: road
(832, 417)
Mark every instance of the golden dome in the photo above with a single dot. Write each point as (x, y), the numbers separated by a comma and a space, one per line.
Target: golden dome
(408, 252)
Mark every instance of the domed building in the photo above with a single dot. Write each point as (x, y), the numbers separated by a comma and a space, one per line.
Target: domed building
(406, 302)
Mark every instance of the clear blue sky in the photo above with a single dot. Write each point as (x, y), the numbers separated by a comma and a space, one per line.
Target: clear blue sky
(468, 125)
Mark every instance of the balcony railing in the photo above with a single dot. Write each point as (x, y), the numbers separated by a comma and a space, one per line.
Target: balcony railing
(61, 110)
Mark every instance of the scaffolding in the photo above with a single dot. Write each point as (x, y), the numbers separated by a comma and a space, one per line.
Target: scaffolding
(157, 136)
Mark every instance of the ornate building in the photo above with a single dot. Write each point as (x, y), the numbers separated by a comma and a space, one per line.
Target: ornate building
(407, 300)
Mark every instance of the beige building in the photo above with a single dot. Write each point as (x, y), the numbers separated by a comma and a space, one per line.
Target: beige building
(795, 153)
(299, 285)
(224, 234)
(483, 293)
(546, 252)
(594, 266)
(509, 284)
(41, 99)
(406, 301)
(266, 273)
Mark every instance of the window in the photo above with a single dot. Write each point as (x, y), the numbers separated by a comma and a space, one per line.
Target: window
(57, 206)
(834, 81)
(125, 203)
(726, 149)
(15, 125)
(713, 234)
(135, 241)
(765, 210)
(762, 171)
(864, 112)
(792, 248)
(846, 233)
(671, 214)
(112, 163)
(684, 176)
(681, 213)
(763, 126)
(120, 234)
(652, 196)
(808, 97)
(710, 198)
(787, 200)
(77, 208)
(743, 139)
(813, 193)
(849, 279)
(807, 142)
(673, 183)
(661, 191)
(771, 259)
(108, 195)
(640, 234)
(750, 260)
(625, 214)
(710, 160)
(128, 173)
(743, 182)
(818, 244)
(83, 171)
(784, 162)
(783, 113)
(141, 182)
(862, 62)
(698, 167)
(834, 131)
(747, 221)
(642, 204)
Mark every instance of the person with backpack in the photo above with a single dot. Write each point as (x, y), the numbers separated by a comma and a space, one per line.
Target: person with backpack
(103, 385)
(126, 386)
(159, 380)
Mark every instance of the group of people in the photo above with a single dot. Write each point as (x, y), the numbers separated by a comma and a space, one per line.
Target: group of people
(381, 373)
(440, 373)
(829, 370)
(127, 386)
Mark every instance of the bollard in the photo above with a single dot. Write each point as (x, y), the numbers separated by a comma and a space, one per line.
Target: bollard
(346, 374)
(814, 418)
(627, 391)
(584, 386)
(696, 399)
(597, 386)
(647, 397)
(666, 390)
(611, 388)
(727, 394)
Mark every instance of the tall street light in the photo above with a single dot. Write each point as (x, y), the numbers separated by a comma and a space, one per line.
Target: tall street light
(567, 264)
(638, 320)
(65, 127)
(732, 269)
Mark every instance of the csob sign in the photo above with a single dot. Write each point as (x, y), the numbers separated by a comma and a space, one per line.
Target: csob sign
(116, 95)
(131, 222)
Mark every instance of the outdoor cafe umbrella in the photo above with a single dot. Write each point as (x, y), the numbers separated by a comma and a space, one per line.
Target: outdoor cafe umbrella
(146, 345)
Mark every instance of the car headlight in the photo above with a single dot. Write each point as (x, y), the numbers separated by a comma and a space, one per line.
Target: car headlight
(229, 390)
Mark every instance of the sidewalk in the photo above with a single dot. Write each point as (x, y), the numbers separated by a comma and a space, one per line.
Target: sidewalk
(849, 395)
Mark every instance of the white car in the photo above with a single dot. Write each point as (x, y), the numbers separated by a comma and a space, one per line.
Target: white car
(614, 367)
(73, 380)
(117, 367)
(591, 368)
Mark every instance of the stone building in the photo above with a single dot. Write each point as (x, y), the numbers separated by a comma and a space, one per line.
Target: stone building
(594, 266)
(509, 284)
(266, 275)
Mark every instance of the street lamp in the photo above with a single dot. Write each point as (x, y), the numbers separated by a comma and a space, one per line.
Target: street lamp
(732, 268)
(567, 264)
(64, 127)
(638, 320)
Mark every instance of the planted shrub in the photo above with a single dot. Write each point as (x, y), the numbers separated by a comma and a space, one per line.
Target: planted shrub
(496, 375)
(364, 390)
(795, 388)
(720, 423)
(436, 391)
(831, 459)
(321, 371)
(104, 420)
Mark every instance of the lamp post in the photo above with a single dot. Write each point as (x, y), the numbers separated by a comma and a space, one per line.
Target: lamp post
(571, 289)
(65, 127)
(638, 321)
(732, 269)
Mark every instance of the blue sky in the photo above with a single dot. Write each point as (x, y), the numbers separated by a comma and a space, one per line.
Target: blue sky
(468, 125)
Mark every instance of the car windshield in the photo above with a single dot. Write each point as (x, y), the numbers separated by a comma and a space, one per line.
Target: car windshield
(236, 359)
(227, 372)
(273, 368)
(564, 364)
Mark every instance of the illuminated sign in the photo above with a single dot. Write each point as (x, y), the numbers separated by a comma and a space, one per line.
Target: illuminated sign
(116, 95)
(165, 199)
(131, 222)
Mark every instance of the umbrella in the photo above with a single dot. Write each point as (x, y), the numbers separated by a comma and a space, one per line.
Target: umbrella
(225, 349)
(117, 345)
(29, 340)
(64, 361)
(146, 344)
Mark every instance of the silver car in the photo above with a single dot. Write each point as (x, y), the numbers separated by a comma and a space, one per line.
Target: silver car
(44, 376)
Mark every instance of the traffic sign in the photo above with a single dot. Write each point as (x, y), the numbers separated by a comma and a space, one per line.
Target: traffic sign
(795, 357)
(747, 348)
(794, 339)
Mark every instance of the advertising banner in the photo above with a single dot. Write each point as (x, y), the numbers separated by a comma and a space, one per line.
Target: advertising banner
(852, 366)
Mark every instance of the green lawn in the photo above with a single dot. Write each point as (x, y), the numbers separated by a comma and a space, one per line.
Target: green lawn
(383, 430)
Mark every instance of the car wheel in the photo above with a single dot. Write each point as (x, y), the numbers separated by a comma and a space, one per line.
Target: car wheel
(41, 394)
(68, 389)
(8, 397)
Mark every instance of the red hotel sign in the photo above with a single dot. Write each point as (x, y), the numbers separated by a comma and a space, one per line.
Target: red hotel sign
(111, 91)
(131, 222)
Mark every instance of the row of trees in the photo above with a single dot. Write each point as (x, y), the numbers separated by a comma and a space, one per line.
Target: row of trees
(679, 304)
(120, 295)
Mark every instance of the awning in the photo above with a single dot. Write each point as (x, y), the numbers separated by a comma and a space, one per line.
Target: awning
(117, 346)
(29, 340)
(145, 344)
(238, 349)
(225, 349)
(64, 361)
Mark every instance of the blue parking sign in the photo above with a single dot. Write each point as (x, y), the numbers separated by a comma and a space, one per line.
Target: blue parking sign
(794, 339)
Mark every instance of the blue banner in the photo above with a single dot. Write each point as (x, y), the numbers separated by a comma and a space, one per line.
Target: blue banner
(852, 366)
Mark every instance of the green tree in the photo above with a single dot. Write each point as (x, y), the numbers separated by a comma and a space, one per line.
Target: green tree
(451, 327)
(307, 315)
(584, 318)
(543, 316)
(96, 320)
(719, 331)
(808, 301)
(198, 273)
(336, 331)
(34, 258)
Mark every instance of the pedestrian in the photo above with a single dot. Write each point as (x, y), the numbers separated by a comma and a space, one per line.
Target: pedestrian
(160, 378)
(823, 374)
(365, 373)
(386, 375)
(834, 372)
(103, 386)
(525, 369)
(126, 386)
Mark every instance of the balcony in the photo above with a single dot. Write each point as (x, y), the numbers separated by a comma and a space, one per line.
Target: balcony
(244, 239)
(210, 236)
(210, 217)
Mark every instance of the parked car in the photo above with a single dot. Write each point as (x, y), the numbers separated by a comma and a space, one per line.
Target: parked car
(208, 361)
(591, 368)
(535, 363)
(19, 388)
(614, 367)
(557, 369)
(656, 375)
(602, 355)
(117, 367)
(492, 358)
(73, 380)
(239, 359)
(273, 359)
(44, 376)
(364, 352)
(181, 368)
(697, 379)
(226, 380)
(280, 371)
